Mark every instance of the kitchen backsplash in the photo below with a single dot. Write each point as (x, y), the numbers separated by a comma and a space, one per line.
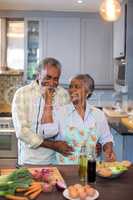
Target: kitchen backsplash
(8, 85)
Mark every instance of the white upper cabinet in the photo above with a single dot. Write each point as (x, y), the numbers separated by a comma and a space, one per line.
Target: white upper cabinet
(119, 36)
(83, 44)
(62, 41)
(96, 50)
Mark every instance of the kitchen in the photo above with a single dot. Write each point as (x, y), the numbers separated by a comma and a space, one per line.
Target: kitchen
(81, 39)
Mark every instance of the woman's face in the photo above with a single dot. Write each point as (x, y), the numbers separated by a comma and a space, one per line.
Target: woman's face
(77, 91)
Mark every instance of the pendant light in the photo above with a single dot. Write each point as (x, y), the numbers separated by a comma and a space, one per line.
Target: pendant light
(110, 10)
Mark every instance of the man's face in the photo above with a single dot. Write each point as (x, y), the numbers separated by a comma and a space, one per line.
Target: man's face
(49, 77)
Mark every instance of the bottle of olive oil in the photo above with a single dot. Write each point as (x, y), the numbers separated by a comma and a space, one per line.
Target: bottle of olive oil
(83, 164)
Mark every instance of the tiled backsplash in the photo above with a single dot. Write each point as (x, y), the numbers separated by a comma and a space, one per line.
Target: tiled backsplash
(8, 86)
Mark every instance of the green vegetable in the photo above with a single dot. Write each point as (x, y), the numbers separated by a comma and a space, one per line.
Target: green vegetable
(3, 178)
(118, 169)
(19, 178)
(19, 174)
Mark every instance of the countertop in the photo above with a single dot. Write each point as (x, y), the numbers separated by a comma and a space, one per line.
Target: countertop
(111, 189)
(116, 124)
(11, 72)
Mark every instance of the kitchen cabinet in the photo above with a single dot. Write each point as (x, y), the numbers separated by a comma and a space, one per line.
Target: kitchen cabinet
(129, 49)
(123, 40)
(119, 35)
(83, 45)
(123, 146)
(32, 46)
(62, 41)
(119, 145)
(81, 41)
(96, 50)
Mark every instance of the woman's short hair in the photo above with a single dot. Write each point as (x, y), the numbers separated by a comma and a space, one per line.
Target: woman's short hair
(49, 60)
(88, 82)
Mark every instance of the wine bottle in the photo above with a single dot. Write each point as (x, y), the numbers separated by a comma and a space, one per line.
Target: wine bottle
(91, 165)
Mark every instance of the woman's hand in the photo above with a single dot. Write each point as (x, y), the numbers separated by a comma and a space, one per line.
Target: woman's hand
(108, 152)
(109, 156)
(98, 149)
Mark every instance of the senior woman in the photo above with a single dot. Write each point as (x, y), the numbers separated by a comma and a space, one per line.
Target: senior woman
(79, 123)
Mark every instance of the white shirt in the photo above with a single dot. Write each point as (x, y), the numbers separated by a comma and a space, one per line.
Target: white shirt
(27, 109)
(76, 131)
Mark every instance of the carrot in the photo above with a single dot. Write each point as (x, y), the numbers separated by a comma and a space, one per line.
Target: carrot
(13, 197)
(21, 189)
(35, 194)
(32, 190)
(34, 186)
(35, 183)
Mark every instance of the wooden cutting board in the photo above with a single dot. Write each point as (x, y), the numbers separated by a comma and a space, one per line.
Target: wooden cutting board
(55, 174)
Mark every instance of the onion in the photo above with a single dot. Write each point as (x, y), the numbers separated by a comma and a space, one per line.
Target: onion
(60, 185)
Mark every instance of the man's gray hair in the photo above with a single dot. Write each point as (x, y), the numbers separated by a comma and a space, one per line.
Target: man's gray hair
(49, 60)
(88, 82)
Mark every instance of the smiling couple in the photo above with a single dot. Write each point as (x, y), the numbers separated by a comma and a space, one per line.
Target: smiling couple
(52, 124)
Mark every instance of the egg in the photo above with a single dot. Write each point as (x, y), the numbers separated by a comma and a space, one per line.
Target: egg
(73, 193)
(87, 189)
(78, 186)
(91, 192)
(82, 195)
(70, 187)
(81, 190)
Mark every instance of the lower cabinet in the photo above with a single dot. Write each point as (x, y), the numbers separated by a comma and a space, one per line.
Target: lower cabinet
(123, 146)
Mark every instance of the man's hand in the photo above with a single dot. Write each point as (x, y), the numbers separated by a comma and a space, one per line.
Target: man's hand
(47, 116)
(98, 149)
(49, 93)
(63, 148)
(59, 146)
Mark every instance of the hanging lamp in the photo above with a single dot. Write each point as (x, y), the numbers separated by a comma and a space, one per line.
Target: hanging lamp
(110, 10)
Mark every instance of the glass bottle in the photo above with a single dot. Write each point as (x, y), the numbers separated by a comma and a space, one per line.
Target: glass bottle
(91, 164)
(82, 163)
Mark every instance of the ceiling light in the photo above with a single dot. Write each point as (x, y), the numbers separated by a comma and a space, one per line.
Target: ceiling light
(110, 10)
(79, 1)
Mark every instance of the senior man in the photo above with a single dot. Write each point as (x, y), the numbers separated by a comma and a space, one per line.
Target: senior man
(32, 112)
